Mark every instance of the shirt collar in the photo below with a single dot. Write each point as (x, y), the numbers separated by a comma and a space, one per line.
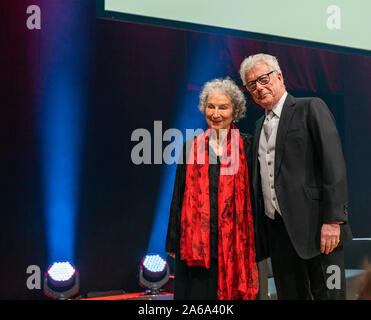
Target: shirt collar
(277, 109)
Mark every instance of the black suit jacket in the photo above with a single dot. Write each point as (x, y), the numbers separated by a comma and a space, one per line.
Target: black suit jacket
(309, 176)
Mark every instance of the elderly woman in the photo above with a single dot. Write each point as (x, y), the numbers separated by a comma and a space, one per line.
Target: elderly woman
(210, 231)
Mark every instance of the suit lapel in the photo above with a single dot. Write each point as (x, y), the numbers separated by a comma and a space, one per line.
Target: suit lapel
(288, 110)
(256, 170)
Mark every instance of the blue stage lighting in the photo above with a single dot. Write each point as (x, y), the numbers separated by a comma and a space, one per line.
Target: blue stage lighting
(153, 273)
(62, 107)
(154, 263)
(187, 116)
(61, 271)
(61, 281)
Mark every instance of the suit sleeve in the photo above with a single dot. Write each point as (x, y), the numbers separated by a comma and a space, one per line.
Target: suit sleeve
(247, 144)
(261, 247)
(327, 142)
(173, 231)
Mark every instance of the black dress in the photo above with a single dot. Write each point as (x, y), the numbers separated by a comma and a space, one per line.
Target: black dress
(197, 283)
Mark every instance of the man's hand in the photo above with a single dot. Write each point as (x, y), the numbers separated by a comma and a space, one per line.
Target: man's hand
(330, 236)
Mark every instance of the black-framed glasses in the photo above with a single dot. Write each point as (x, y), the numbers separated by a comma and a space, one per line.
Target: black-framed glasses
(263, 79)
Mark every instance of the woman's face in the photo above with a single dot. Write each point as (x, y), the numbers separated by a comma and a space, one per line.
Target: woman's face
(219, 111)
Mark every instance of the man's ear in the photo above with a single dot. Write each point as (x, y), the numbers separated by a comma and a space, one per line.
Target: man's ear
(280, 77)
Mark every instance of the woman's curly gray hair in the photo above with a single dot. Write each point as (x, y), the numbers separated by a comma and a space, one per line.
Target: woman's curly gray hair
(228, 87)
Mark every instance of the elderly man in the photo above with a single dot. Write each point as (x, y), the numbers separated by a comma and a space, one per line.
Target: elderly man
(299, 186)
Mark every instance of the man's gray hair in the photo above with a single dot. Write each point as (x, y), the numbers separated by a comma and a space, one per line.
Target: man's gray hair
(228, 87)
(252, 60)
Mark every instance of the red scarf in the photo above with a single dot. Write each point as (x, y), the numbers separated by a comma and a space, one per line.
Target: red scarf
(237, 271)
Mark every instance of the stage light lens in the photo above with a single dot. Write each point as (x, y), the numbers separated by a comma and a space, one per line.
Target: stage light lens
(61, 281)
(153, 273)
(61, 271)
(154, 263)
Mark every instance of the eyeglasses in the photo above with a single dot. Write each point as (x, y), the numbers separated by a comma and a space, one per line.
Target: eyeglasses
(263, 79)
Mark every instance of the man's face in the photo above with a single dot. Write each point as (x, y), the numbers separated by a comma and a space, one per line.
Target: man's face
(269, 94)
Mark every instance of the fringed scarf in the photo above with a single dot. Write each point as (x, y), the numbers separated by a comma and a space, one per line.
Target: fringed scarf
(237, 270)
